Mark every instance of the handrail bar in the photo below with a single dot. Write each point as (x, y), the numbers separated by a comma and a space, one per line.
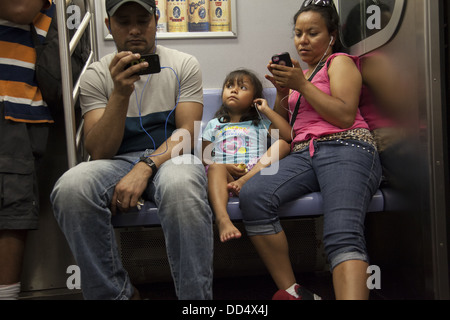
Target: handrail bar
(80, 31)
(67, 83)
(76, 90)
(71, 92)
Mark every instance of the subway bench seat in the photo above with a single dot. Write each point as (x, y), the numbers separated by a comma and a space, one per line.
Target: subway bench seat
(307, 206)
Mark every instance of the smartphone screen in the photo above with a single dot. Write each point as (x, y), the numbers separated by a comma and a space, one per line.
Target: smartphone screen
(153, 64)
(283, 59)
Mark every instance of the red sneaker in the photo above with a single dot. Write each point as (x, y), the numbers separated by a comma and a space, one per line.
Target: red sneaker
(303, 294)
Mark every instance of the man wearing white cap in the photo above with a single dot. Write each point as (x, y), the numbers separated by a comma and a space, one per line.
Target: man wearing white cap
(129, 121)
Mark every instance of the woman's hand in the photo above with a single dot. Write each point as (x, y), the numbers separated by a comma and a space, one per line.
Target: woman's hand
(273, 80)
(285, 78)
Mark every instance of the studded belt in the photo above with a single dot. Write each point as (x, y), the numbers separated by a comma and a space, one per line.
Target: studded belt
(362, 135)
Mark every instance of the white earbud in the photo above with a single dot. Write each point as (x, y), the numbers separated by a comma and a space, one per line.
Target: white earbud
(332, 38)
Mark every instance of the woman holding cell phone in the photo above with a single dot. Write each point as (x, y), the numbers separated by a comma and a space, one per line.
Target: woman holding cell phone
(333, 152)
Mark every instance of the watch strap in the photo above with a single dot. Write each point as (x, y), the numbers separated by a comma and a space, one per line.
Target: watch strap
(150, 163)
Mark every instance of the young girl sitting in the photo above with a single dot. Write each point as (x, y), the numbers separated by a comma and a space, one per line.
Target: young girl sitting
(235, 143)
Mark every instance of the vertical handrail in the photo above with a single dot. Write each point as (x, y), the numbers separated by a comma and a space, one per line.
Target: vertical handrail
(93, 30)
(67, 85)
(66, 48)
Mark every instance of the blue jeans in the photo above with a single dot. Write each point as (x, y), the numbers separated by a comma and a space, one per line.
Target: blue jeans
(81, 201)
(347, 173)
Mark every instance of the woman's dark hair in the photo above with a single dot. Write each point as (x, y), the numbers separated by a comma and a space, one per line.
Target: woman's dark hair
(331, 17)
(238, 76)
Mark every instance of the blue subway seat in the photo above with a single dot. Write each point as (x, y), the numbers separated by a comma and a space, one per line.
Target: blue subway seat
(307, 206)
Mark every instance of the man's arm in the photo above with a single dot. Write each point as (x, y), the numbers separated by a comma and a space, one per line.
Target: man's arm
(22, 11)
(104, 128)
(132, 186)
(187, 113)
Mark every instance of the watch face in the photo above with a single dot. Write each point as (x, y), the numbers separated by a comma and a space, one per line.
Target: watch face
(150, 163)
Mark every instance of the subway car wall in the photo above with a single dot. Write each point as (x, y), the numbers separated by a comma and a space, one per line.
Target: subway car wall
(446, 45)
(407, 78)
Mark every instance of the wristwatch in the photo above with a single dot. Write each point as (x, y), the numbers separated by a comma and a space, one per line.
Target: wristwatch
(150, 163)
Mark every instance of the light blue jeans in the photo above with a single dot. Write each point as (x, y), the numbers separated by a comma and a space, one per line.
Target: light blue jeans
(81, 202)
(347, 173)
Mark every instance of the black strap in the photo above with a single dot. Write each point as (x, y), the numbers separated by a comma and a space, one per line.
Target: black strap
(34, 36)
(297, 107)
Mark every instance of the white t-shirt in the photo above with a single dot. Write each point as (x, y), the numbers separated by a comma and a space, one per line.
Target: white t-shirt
(153, 100)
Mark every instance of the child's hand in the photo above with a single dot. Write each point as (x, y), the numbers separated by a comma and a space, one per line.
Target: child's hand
(262, 105)
(236, 170)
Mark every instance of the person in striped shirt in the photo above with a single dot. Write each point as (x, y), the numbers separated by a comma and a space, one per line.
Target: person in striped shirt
(24, 121)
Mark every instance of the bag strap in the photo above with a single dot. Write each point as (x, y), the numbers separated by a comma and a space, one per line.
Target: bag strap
(38, 45)
(34, 35)
(297, 107)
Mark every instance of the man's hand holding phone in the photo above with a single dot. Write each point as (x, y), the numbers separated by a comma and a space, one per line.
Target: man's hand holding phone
(126, 68)
(123, 78)
(153, 65)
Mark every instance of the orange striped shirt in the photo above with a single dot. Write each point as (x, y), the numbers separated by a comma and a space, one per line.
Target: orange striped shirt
(18, 89)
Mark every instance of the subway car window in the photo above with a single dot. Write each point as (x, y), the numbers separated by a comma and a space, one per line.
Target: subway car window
(369, 24)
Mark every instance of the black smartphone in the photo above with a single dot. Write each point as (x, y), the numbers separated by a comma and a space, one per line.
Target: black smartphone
(153, 64)
(283, 59)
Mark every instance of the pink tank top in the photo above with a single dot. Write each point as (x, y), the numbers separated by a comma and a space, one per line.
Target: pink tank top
(309, 125)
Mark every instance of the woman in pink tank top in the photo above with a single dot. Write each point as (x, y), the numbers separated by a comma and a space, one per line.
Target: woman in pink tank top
(333, 152)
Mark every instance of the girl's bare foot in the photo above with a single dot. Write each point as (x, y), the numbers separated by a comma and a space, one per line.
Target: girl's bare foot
(227, 231)
(236, 186)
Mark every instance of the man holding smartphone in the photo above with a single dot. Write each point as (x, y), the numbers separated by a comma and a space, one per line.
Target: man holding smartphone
(129, 120)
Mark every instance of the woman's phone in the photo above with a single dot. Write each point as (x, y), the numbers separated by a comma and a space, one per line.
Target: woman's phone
(153, 64)
(283, 59)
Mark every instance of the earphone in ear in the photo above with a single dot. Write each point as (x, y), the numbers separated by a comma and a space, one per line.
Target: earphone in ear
(332, 38)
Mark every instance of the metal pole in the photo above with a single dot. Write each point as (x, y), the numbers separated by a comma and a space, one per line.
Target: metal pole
(67, 85)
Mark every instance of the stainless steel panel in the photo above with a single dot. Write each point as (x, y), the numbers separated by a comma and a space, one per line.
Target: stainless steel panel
(47, 254)
(406, 78)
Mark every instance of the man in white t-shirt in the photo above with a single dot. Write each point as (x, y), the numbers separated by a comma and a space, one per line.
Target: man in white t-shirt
(129, 121)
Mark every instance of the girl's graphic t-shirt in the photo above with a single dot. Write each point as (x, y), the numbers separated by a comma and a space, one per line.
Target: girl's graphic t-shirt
(237, 142)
